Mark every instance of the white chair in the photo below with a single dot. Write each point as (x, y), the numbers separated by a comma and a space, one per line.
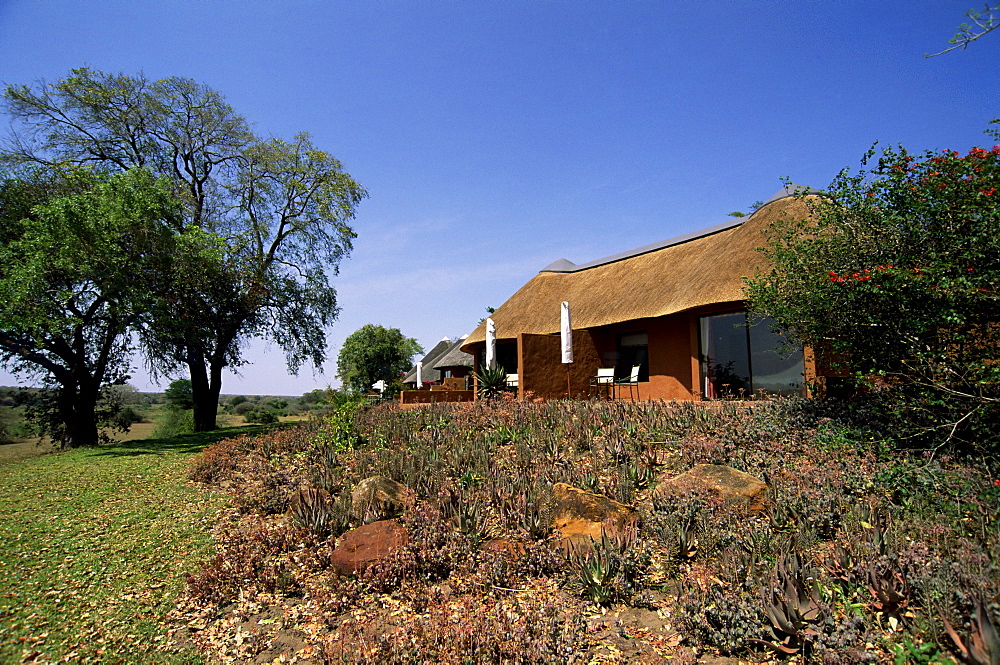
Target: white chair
(632, 382)
(603, 383)
(512, 380)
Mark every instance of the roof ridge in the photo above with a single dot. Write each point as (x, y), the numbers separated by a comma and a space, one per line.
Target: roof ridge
(565, 265)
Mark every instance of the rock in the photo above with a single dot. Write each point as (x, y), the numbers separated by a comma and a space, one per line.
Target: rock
(732, 486)
(380, 498)
(576, 511)
(359, 548)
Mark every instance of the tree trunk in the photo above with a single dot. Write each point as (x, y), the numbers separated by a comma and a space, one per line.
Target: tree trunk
(205, 399)
(77, 405)
(214, 387)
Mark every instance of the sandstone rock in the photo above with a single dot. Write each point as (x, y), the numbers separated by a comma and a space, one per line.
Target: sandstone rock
(380, 498)
(576, 511)
(735, 487)
(359, 548)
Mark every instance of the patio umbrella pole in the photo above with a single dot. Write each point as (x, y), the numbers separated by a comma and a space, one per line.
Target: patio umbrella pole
(566, 343)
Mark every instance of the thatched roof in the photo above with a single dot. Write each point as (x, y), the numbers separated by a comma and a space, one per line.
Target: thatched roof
(690, 271)
(454, 356)
(427, 371)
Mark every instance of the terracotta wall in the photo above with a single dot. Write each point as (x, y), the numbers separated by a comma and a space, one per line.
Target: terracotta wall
(673, 358)
(674, 367)
(544, 375)
(434, 396)
(673, 355)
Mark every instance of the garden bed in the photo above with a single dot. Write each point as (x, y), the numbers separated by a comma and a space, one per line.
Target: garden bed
(861, 553)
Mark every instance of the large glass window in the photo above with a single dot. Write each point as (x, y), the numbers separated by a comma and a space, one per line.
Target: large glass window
(741, 355)
(632, 350)
(506, 356)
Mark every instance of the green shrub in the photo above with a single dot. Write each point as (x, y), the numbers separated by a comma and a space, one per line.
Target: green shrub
(174, 422)
(339, 431)
(244, 408)
(892, 276)
(260, 416)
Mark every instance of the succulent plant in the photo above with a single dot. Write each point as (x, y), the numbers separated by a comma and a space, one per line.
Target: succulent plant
(310, 507)
(611, 567)
(890, 592)
(793, 607)
(982, 645)
(491, 381)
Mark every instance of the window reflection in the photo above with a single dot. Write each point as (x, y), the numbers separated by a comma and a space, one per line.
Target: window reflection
(741, 358)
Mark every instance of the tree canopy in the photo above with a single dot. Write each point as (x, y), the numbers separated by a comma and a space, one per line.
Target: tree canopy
(896, 278)
(80, 257)
(373, 353)
(275, 212)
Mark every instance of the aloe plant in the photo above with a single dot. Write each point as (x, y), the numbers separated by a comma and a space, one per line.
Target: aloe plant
(310, 507)
(492, 381)
(793, 608)
(982, 646)
(889, 589)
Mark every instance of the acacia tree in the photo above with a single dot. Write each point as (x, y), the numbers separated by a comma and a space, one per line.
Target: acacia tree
(896, 276)
(373, 353)
(79, 259)
(277, 212)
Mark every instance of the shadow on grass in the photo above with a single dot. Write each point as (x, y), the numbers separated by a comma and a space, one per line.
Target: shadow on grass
(183, 444)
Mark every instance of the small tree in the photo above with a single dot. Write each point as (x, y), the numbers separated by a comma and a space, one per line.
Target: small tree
(373, 353)
(896, 276)
(179, 395)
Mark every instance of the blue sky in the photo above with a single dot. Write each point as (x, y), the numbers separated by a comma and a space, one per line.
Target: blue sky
(496, 137)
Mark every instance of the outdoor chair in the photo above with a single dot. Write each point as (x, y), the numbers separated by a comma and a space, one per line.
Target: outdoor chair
(632, 382)
(604, 383)
(512, 380)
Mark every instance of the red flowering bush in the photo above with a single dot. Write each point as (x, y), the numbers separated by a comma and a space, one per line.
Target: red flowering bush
(895, 277)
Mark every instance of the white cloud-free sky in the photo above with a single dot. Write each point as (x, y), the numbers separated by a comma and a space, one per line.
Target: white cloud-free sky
(495, 137)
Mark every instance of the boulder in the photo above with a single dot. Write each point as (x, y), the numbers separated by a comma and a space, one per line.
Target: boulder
(728, 484)
(576, 511)
(380, 498)
(359, 548)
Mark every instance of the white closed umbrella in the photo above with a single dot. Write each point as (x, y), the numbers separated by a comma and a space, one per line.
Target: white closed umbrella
(491, 344)
(566, 333)
(566, 338)
(420, 370)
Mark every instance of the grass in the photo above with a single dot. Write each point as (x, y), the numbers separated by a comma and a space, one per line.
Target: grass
(93, 547)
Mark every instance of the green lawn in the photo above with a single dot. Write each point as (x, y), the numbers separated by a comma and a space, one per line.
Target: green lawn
(93, 548)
